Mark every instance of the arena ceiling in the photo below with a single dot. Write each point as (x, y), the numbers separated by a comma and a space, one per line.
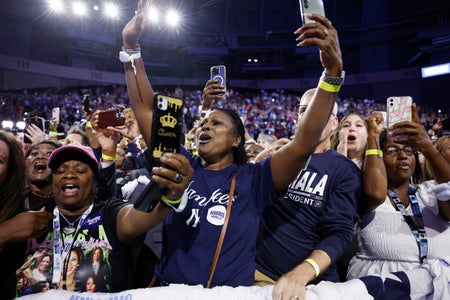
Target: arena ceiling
(374, 35)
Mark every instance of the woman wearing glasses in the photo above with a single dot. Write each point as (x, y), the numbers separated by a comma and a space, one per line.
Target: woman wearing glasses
(403, 224)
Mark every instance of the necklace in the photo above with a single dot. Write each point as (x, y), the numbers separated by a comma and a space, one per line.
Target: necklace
(71, 225)
(48, 196)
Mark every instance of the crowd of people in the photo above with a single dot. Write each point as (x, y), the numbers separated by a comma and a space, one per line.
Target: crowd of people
(266, 189)
(263, 112)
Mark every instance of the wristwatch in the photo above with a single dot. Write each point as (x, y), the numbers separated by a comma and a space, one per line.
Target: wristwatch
(333, 80)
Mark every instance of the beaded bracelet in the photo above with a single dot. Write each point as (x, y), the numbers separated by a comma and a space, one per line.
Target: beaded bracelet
(329, 87)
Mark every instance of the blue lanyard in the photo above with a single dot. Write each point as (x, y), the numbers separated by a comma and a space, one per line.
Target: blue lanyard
(416, 225)
(61, 251)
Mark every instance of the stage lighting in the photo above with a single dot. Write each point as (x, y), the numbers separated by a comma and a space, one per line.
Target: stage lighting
(172, 18)
(79, 8)
(56, 5)
(153, 14)
(21, 125)
(436, 70)
(6, 124)
(111, 10)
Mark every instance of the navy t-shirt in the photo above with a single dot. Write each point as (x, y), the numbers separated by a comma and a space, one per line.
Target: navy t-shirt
(190, 237)
(318, 211)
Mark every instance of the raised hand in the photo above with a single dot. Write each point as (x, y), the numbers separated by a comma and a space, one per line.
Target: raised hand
(134, 28)
(324, 36)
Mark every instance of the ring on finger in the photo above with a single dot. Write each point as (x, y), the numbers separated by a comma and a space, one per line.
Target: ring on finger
(325, 33)
(179, 178)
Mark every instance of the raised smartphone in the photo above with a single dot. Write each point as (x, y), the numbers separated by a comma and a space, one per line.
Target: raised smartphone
(310, 7)
(398, 109)
(55, 114)
(86, 103)
(219, 73)
(166, 126)
(39, 122)
(113, 117)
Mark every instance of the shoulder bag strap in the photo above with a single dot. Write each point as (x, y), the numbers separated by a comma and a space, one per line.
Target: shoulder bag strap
(222, 233)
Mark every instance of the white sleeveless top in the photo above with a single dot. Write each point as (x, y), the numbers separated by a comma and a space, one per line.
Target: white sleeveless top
(385, 241)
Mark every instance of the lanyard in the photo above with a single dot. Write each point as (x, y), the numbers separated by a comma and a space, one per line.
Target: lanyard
(60, 251)
(416, 225)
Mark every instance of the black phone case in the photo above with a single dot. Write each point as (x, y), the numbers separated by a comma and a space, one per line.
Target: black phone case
(39, 122)
(86, 102)
(166, 126)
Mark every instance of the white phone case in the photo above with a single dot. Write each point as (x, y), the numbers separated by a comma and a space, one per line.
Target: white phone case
(398, 109)
(311, 7)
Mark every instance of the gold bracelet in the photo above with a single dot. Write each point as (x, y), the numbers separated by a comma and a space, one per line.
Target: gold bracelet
(169, 201)
(109, 158)
(374, 152)
(313, 263)
(329, 87)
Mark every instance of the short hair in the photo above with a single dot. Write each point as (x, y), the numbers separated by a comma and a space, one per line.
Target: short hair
(85, 140)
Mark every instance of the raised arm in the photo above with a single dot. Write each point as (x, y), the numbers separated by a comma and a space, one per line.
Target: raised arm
(374, 176)
(140, 91)
(289, 160)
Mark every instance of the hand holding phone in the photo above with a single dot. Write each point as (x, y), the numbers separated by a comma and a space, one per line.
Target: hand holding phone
(166, 126)
(37, 121)
(310, 7)
(398, 109)
(55, 115)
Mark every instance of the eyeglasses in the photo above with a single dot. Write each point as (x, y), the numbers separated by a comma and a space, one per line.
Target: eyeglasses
(391, 150)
